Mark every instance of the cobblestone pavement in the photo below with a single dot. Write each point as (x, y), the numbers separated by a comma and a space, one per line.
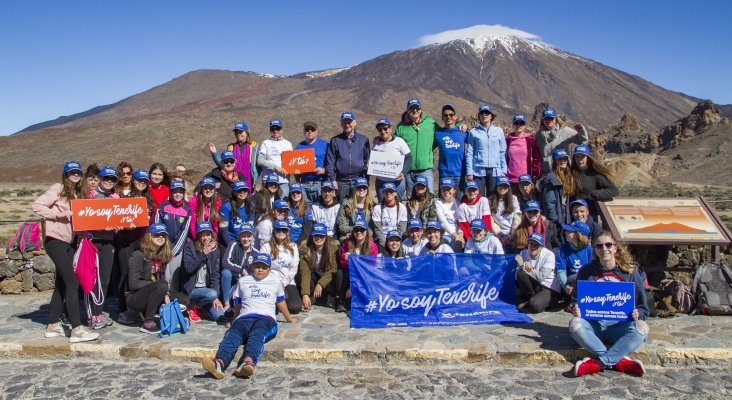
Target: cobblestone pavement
(105, 379)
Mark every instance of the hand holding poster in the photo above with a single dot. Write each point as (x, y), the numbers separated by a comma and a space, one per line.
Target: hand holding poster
(608, 301)
(298, 161)
(108, 214)
(385, 165)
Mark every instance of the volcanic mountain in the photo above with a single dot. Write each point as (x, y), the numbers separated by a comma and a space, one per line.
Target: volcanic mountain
(671, 227)
(173, 122)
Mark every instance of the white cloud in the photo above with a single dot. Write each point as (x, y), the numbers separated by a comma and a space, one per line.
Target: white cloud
(489, 31)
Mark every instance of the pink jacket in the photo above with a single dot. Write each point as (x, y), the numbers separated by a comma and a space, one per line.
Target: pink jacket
(193, 205)
(56, 212)
(343, 262)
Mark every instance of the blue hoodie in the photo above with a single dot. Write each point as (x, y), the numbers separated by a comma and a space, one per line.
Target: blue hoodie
(451, 143)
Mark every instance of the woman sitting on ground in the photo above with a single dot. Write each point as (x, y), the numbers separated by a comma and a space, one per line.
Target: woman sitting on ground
(359, 243)
(573, 254)
(536, 281)
(318, 265)
(202, 263)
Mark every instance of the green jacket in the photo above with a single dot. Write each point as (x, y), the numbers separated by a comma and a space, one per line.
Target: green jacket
(420, 139)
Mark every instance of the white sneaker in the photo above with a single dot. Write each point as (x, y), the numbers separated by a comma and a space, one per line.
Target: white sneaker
(55, 330)
(82, 334)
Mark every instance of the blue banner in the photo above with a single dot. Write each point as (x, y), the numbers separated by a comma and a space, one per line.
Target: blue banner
(433, 290)
(606, 301)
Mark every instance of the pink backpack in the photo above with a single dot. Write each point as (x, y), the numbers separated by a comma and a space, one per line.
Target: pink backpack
(26, 238)
(86, 266)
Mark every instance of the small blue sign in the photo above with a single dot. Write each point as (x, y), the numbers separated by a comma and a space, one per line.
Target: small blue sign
(606, 301)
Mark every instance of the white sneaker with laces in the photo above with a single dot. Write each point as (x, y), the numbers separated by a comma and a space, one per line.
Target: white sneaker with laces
(82, 334)
(55, 330)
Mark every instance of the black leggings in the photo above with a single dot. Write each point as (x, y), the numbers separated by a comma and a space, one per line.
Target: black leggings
(66, 288)
(148, 299)
(123, 261)
(106, 259)
(342, 282)
(293, 299)
(530, 290)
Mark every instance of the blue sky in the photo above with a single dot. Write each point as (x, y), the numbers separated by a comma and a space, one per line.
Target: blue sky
(59, 58)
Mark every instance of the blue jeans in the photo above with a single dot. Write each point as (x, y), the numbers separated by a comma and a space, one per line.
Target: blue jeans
(401, 189)
(227, 282)
(459, 182)
(486, 184)
(344, 189)
(204, 297)
(311, 190)
(624, 338)
(412, 176)
(252, 332)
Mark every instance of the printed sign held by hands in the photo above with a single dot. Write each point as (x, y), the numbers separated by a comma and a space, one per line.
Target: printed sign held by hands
(298, 161)
(108, 214)
(606, 301)
(385, 165)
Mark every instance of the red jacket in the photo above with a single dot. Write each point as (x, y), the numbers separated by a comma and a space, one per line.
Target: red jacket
(533, 158)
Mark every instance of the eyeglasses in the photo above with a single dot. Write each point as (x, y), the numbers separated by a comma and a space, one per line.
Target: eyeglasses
(448, 115)
(484, 113)
(412, 109)
(229, 161)
(607, 245)
(74, 173)
(308, 129)
(159, 235)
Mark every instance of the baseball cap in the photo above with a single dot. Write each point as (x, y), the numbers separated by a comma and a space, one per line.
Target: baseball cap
(262, 258)
(177, 185)
(241, 126)
(204, 226)
(549, 113)
(471, 185)
(281, 224)
(281, 204)
(383, 121)
(525, 178)
(477, 224)
(519, 118)
(141, 175)
(239, 185)
(434, 225)
(295, 187)
(559, 153)
(414, 102)
(360, 224)
(310, 124)
(578, 202)
(348, 115)
(245, 227)
(360, 182)
(319, 229)
(157, 229)
(448, 106)
(502, 181)
(327, 185)
(207, 181)
(447, 182)
(227, 155)
(532, 205)
(72, 166)
(393, 234)
(484, 108)
(421, 180)
(414, 223)
(271, 178)
(577, 226)
(581, 149)
(388, 186)
(536, 237)
(275, 122)
(108, 172)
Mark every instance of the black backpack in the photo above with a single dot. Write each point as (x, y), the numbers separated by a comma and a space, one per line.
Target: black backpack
(713, 289)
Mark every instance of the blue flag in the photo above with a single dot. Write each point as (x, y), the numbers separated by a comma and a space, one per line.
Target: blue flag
(433, 290)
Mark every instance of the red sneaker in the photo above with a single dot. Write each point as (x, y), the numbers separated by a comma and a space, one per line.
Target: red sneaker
(587, 366)
(194, 314)
(629, 366)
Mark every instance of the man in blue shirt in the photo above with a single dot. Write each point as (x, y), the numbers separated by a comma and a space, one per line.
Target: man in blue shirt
(451, 142)
(311, 181)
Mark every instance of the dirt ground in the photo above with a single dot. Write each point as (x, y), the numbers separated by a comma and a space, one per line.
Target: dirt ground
(15, 206)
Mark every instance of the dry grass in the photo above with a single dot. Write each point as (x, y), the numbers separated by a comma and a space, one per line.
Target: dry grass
(15, 205)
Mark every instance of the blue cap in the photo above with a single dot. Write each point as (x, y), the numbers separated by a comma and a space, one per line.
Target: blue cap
(536, 237)
(446, 182)
(388, 186)
(281, 204)
(204, 226)
(360, 182)
(434, 225)
(549, 113)
(577, 226)
(227, 155)
(477, 224)
(421, 180)
(519, 118)
(108, 172)
(262, 258)
(141, 175)
(413, 102)
(559, 153)
(72, 166)
(319, 229)
(207, 181)
(177, 185)
(271, 178)
(471, 185)
(360, 223)
(578, 202)
(448, 106)
(239, 185)
(295, 187)
(281, 224)
(383, 121)
(275, 122)
(414, 223)
(393, 234)
(502, 181)
(484, 108)
(525, 178)
(241, 126)
(532, 205)
(581, 149)
(348, 115)
(157, 228)
(245, 227)
(326, 185)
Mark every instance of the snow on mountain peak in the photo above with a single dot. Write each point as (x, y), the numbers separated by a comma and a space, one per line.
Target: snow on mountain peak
(483, 37)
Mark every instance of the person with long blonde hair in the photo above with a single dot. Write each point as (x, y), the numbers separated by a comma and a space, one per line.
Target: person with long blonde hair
(359, 205)
(610, 342)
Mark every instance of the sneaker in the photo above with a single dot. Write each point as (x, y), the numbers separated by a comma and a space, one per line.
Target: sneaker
(245, 370)
(331, 301)
(149, 327)
(183, 307)
(129, 317)
(100, 321)
(82, 334)
(194, 314)
(229, 313)
(629, 366)
(214, 366)
(55, 330)
(340, 307)
(587, 366)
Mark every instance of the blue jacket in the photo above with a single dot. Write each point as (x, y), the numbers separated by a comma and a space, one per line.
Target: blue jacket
(485, 149)
(347, 158)
(232, 230)
(320, 147)
(570, 260)
(300, 227)
(193, 261)
(177, 221)
(451, 143)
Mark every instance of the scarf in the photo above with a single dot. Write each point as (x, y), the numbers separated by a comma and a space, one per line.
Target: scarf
(242, 152)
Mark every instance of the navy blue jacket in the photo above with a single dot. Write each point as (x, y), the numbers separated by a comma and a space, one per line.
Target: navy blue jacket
(347, 158)
(193, 261)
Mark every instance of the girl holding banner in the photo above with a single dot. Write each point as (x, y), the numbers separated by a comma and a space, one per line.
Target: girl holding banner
(612, 262)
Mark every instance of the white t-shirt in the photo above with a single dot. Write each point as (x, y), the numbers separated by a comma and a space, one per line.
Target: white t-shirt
(264, 230)
(272, 150)
(413, 249)
(447, 214)
(442, 248)
(396, 145)
(503, 219)
(489, 246)
(467, 212)
(389, 217)
(543, 268)
(326, 215)
(259, 296)
(285, 265)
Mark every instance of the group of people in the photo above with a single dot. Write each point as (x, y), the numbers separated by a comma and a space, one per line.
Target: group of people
(220, 247)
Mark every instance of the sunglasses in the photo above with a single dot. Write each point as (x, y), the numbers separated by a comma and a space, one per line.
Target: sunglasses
(260, 266)
(109, 179)
(448, 115)
(484, 113)
(310, 129)
(276, 128)
(532, 212)
(359, 230)
(229, 161)
(281, 230)
(548, 118)
(127, 173)
(607, 245)
(415, 108)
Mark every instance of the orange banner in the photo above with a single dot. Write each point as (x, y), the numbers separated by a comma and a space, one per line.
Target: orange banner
(298, 161)
(108, 214)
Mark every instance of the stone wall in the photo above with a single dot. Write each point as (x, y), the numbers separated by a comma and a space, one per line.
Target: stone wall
(36, 273)
(677, 262)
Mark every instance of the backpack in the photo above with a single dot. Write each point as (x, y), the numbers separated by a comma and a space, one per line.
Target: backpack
(86, 268)
(713, 289)
(172, 319)
(681, 297)
(26, 238)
